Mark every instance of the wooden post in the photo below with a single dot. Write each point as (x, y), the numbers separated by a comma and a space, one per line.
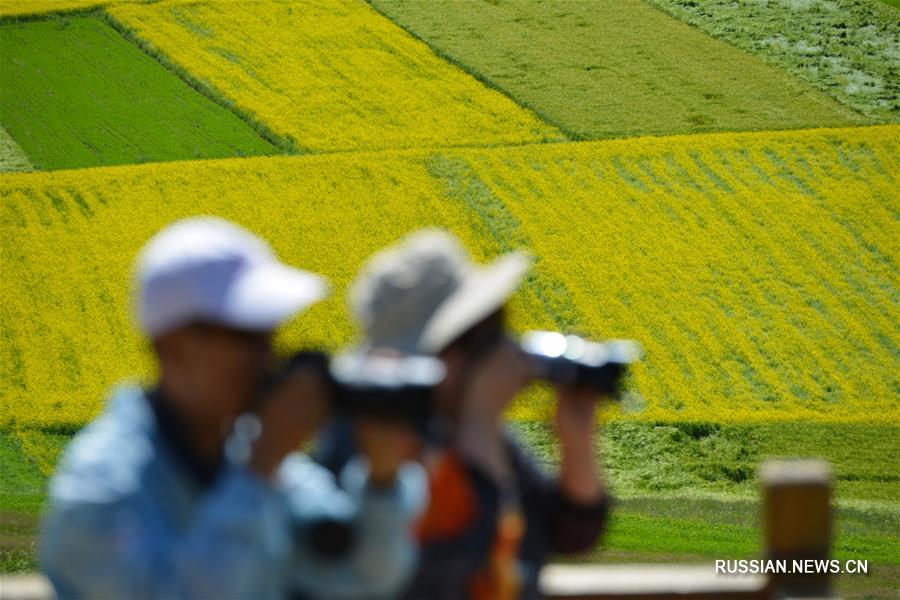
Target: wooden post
(797, 521)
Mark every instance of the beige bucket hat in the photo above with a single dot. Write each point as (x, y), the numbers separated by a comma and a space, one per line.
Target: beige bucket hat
(421, 294)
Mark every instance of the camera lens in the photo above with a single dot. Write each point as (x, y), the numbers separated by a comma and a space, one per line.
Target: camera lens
(571, 360)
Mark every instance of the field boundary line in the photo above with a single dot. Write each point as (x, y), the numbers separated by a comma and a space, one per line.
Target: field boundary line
(285, 144)
(464, 184)
(572, 135)
(425, 151)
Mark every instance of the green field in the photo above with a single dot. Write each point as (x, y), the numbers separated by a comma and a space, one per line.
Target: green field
(695, 482)
(615, 68)
(77, 94)
(644, 459)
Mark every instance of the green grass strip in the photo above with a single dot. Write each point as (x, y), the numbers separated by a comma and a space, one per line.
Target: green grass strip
(22, 494)
(711, 460)
(701, 537)
(677, 499)
(687, 492)
(640, 538)
(493, 221)
(615, 68)
(77, 94)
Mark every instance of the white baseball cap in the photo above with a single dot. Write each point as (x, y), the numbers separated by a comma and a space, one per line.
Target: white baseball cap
(207, 269)
(423, 293)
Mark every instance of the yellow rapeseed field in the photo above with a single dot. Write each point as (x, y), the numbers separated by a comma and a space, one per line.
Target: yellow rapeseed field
(758, 269)
(21, 8)
(69, 238)
(330, 75)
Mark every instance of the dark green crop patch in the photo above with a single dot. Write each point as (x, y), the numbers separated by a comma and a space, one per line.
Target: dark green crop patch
(77, 94)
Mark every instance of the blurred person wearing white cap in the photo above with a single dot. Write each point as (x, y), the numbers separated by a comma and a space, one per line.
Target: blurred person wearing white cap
(494, 517)
(177, 491)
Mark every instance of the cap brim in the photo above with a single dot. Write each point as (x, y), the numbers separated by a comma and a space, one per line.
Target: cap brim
(266, 295)
(484, 291)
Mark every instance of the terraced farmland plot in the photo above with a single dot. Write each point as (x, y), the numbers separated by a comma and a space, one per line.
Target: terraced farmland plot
(28, 8)
(616, 68)
(757, 269)
(329, 76)
(75, 93)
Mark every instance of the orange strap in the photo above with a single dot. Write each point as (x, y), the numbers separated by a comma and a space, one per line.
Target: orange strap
(453, 505)
(453, 508)
(501, 579)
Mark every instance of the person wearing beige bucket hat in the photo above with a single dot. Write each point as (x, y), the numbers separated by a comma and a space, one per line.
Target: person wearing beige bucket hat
(494, 516)
(422, 294)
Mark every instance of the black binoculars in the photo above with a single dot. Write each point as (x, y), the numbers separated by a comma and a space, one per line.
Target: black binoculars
(385, 386)
(571, 360)
(399, 387)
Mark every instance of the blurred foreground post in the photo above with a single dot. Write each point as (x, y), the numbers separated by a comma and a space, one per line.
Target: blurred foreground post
(797, 520)
(796, 515)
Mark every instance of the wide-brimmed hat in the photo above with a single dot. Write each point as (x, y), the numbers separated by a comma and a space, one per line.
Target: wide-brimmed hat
(423, 293)
(206, 269)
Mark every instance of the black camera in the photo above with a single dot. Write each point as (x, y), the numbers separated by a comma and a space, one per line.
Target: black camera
(382, 385)
(571, 360)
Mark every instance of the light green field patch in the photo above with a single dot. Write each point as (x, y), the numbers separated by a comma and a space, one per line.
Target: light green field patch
(849, 49)
(43, 449)
(11, 156)
(77, 94)
(615, 68)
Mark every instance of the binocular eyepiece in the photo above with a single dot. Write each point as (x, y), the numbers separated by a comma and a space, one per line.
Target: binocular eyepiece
(571, 360)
